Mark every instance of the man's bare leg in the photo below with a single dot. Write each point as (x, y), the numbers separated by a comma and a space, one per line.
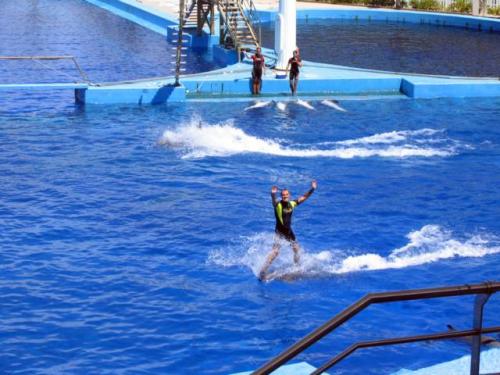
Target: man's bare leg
(270, 258)
(296, 253)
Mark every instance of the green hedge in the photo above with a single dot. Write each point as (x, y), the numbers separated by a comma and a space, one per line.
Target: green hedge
(426, 4)
(460, 6)
(494, 11)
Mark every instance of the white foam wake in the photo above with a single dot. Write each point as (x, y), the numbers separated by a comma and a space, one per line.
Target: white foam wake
(431, 243)
(197, 140)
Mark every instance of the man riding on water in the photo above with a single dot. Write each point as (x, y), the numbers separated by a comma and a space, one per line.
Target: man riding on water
(283, 212)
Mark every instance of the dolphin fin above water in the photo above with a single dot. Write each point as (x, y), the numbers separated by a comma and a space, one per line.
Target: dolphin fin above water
(258, 104)
(333, 104)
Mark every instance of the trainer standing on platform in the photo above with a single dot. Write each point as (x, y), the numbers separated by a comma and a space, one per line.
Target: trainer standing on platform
(257, 71)
(293, 64)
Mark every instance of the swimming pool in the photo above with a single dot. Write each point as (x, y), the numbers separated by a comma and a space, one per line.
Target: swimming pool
(108, 48)
(122, 254)
(396, 46)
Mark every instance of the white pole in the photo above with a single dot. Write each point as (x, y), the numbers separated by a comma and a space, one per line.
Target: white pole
(285, 38)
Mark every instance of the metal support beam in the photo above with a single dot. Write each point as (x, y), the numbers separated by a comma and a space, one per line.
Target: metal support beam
(477, 325)
(179, 44)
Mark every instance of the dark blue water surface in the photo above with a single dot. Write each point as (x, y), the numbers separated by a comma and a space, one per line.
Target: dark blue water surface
(131, 236)
(107, 47)
(123, 254)
(397, 47)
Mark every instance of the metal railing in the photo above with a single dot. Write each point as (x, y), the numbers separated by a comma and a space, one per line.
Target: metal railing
(230, 12)
(253, 18)
(483, 292)
(224, 14)
(37, 59)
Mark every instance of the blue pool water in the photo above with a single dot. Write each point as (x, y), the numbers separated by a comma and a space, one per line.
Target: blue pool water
(397, 47)
(132, 236)
(121, 253)
(107, 47)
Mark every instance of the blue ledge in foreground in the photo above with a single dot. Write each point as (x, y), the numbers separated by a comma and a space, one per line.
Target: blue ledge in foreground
(302, 368)
(490, 364)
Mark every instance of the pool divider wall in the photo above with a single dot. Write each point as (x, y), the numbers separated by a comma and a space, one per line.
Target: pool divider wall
(410, 16)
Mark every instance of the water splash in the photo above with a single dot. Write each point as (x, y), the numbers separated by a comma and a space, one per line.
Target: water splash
(197, 139)
(431, 243)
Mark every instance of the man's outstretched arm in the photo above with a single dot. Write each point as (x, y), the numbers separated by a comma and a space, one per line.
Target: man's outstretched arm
(274, 190)
(314, 185)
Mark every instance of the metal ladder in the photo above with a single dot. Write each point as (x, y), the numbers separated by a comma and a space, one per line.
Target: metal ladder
(238, 23)
(181, 42)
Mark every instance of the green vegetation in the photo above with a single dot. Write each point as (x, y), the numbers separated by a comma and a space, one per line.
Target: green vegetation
(426, 4)
(380, 3)
(495, 11)
(460, 6)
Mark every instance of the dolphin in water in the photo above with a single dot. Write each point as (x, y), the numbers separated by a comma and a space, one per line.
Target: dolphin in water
(333, 104)
(281, 106)
(485, 340)
(305, 104)
(258, 104)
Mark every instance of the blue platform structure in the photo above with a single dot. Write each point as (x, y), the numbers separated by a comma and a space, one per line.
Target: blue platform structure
(316, 79)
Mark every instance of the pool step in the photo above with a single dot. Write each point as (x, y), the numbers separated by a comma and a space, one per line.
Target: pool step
(301, 368)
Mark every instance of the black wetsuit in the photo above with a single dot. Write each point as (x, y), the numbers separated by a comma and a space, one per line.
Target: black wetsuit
(258, 63)
(294, 67)
(283, 213)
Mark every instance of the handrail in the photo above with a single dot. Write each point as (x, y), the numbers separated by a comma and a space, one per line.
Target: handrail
(248, 12)
(402, 340)
(178, 50)
(223, 13)
(83, 75)
(188, 8)
(249, 5)
(487, 288)
(248, 23)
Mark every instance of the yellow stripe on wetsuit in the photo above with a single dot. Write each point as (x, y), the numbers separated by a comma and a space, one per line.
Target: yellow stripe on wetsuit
(279, 210)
